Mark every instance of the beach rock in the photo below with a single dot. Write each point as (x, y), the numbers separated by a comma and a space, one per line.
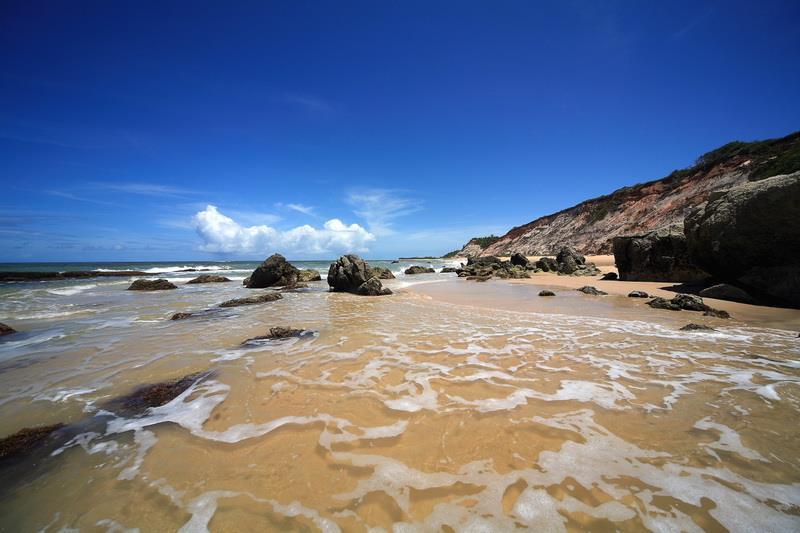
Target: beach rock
(381, 273)
(724, 291)
(26, 440)
(690, 302)
(569, 260)
(278, 333)
(419, 270)
(208, 278)
(659, 255)
(485, 260)
(260, 299)
(663, 303)
(546, 292)
(588, 289)
(308, 274)
(483, 268)
(748, 235)
(696, 327)
(547, 264)
(151, 285)
(638, 294)
(6, 330)
(274, 271)
(717, 313)
(609, 276)
(180, 316)
(372, 287)
(245, 281)
(519, 260)
(446, 270)
(352, 274)
(292, 288)
(151, 396)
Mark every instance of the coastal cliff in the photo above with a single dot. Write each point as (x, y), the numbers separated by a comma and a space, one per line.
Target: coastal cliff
(591, 225)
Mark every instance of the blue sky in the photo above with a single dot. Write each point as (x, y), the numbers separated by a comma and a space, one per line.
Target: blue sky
(218, 130)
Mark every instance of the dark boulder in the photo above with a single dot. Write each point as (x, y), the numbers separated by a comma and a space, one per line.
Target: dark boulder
(750, 236)
(419, 270)
(546, 292)
(352, 274)
(252, 300)
(372, 287)
(382, 273)
(151, 285)
(547, 264)
(571, 263)
(609, 276)
(588, 289)
(638, 294)
(26, 440)
(208, 278)
(274, 271)
(696, 327)
(724, 291)
(180, 316)
(151, 396)
(307, 275)
(519, 260)
(6, 330)
(659, 255)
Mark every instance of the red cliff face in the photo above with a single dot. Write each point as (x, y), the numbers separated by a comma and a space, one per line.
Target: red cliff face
(590, 225)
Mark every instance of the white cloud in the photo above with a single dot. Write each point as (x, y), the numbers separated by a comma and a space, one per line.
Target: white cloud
(300, 208)
(379, 207)
(221, 233)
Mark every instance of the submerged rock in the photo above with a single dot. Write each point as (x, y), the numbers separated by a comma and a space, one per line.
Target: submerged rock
(382, 273)
(155, 395)
(25, 440)
(724, 291)
(546, 292)
(308, 274)
(696, 327)
(638, 294)
(419, 270)
(180, 316)
(278, 333)
(208, 278)
(352, 274)
(260, 299)
(588, 289)
(659, 255)
(274, 271)
(6, 330)
(151, 285)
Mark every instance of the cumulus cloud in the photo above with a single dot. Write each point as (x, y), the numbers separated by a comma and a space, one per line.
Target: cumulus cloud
(220, 233)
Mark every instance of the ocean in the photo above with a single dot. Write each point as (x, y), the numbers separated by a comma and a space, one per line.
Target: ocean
(449, 405)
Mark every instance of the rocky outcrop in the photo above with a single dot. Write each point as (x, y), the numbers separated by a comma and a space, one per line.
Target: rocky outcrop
(352, 274)
(151, 285)
(419, 270)
(208, 278)
(724, 291)
(252, 300)
(591, 225)
(6, 330)
(307, 275)
(274, 271)
(750, 236)
(572, 263)
(687, 302)
(659, 255)
(382, 273)
(484, 268)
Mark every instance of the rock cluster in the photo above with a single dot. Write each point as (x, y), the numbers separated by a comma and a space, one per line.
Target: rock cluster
(659, 255)
(446, 270)
(151, 285)
(484, 268)
(274, 271)
(419, 270)
(252, 300)
(687, 302)
(352, 274)
(208, 278)
(568, 262)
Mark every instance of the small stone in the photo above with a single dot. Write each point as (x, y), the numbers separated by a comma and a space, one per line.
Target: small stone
(180, 316)
(546, 292)
(638, 294)
(696, 327)
(717, 313)
(610, 276)
(588, 289)
(262, 298)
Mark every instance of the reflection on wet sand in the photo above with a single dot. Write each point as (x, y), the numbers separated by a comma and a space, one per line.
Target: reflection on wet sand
(446, 406)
